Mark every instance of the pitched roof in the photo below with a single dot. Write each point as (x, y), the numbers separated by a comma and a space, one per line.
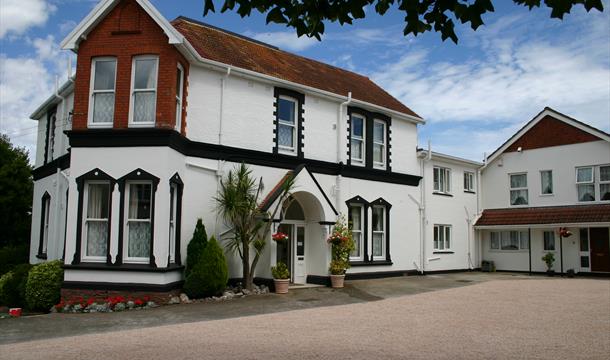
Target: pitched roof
(229, 48)
(576, 214)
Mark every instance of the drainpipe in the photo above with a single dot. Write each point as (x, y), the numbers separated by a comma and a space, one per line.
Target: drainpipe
(339, 147)
(480, 204)
(468, 224)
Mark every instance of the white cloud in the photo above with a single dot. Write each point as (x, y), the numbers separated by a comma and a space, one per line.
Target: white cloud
(285, 40)
(17, 16)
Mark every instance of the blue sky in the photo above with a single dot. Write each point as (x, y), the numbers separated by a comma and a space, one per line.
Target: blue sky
(473, 95)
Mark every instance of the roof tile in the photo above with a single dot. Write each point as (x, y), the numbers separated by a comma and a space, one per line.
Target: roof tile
(599, 213)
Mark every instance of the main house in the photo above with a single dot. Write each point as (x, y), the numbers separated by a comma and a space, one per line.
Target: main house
(132, 148)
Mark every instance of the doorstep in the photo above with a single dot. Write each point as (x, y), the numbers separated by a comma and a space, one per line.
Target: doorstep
(304, 286)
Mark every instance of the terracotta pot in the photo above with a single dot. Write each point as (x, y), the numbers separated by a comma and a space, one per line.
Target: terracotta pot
(337, 281)
(281, 285)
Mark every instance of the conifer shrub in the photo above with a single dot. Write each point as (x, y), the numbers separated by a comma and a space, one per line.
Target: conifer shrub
(210, 275)
(195, 247)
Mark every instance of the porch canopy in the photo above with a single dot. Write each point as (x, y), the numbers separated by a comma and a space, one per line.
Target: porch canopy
(548, 216)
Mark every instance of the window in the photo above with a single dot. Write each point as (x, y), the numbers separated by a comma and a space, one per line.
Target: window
(138, 223)
(357, 144)
(45, 212)
(96, 220)
(379, 232)
(585, 183)
(442, 237)
(287, 127)
(509, 240)
(604, 183)
(143, 91)
(379, 143)
(442, 180)
(546, 182)
(101, 104)
(468, 181)
(179, 89)
(173, 196)
(52, 119)
(584, 239)
(356, 224)
(549, 241)
(518, 189)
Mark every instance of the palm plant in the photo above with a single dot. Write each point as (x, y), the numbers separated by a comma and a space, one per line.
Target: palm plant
(238, 205)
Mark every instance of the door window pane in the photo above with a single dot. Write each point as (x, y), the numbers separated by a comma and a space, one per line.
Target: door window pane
(584, 239)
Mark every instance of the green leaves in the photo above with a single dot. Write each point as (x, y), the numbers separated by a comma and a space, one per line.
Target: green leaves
(308, 17)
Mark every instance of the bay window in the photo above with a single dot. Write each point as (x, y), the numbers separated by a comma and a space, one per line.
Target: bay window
(442, 180)
(442, 237)
(379, 232)
(509, 240)
(585, 183)
(179, 90)
(143, 91)
(518, 189)
(357, 144)
(138, 224)
(101, 102)
(356, 225)
(379, 143)
(96, 221)
(604, 183)
(287, 125)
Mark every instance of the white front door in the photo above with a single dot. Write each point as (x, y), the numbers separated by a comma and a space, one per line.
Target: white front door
(299, 271)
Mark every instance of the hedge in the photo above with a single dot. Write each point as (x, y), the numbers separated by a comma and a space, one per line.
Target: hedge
(43, 287)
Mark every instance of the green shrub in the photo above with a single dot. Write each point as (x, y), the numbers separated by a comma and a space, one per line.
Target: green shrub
(11, 256)
(44, 285)
(12, 286)
(210, 275)
(195, 247)
(280, 271)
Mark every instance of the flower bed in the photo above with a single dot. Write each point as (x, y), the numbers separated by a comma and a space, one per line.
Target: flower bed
(92, 305)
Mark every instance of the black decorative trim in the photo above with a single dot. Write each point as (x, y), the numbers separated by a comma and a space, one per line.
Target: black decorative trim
(318, 280)
(469, 192)
(323, 192)
(178, 220)
(449, 271)
(87, 285)
(172, 139)
(388, 207)
(50, 114)
(63, 254)
(50, 168)
(358, 200)
(326, 222)
(443, 252)
(124, 267)
(277, 92)
(371, 263)
(379, 274)
(369, 119)
(137, 174)
(441, 194)
(95, 174)
(43, 214)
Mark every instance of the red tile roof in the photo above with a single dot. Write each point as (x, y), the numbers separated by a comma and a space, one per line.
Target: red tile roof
(232, 49)
(599, 213)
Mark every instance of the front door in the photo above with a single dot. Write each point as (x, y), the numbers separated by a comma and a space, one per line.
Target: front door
(292, 251)
(600, 249)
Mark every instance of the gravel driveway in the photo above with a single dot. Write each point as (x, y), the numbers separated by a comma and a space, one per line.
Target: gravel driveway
(537, 318)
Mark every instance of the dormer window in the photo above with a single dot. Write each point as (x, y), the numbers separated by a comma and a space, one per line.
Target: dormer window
(287, 127)
(143, 91)
(358, 146)
(101, 103)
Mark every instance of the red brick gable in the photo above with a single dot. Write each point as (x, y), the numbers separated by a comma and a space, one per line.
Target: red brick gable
(128, 31)
(548, 132)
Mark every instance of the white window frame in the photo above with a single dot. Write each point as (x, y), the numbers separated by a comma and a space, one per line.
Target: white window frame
(283, 148)
(604, 182)
(544, 233)
(84, 237)
(127, 220)
(92, 92)
(542, 183)
(511, 189)
(381, 232)
(447, 238)
(444, 186)
(506, 234)
(133, 91)
(586, 183)
(468, 181)
(382, 164)
(173, 211)
(360, 231)
(179, 97)
(354, 160)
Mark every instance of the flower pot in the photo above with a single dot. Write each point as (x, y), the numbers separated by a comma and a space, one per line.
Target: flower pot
(337, 281)
(550, 273)
(281, 285)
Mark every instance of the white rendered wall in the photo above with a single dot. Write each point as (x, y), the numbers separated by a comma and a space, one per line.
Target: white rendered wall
(562, 160)
(61, 124)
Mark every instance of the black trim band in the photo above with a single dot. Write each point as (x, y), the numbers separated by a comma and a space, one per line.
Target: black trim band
(50, 168)
(86, 285)
(172, 139)
(177, 181)
(123, 267)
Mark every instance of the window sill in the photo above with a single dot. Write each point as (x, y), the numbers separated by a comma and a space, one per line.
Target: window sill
(41, 256)
(141, 124)
(123, 267)
(371, 263)
(469, 192)
(443, 252)
(91, 125)
(544, 195)
(441, 194)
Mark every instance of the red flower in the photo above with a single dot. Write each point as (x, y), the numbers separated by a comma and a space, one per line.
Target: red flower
(90, 301)
(146, 298)
(138, 302)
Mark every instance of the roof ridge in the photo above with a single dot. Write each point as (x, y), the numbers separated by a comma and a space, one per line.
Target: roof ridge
(262, 43)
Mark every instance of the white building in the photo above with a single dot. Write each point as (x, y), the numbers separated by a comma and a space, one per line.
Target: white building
(132, 148)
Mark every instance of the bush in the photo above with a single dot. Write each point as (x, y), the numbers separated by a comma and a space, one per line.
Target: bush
(11, 256)
(44, 285)
(12, 286)
(210, 275)
(280, 271)
(195, 247)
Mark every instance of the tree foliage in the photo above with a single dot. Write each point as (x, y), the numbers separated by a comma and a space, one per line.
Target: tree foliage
(308, 17)
(16, 188)
(195, 248)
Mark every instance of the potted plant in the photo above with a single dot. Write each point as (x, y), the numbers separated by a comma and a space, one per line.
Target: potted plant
(281, 277)
(342, 244)
(549, 259)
